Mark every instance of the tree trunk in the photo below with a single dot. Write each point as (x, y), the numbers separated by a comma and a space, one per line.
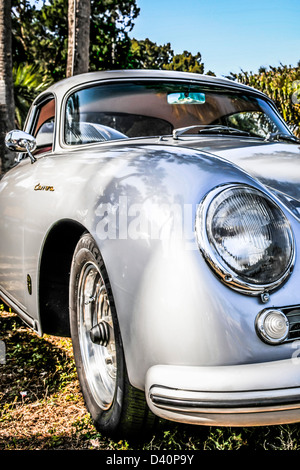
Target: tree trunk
(7, 105)
(79, 13)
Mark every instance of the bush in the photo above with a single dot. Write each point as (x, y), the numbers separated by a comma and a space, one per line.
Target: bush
(282, 85)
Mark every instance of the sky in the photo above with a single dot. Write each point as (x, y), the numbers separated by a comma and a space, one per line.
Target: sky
(231, 35)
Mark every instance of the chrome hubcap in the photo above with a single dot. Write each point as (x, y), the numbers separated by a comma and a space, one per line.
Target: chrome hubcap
(96, 335)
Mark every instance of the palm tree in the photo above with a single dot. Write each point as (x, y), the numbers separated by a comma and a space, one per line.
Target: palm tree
(28, 82)
(79, 12)
(7, 107)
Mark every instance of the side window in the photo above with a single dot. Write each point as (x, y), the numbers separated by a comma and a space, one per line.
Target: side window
(43, 126)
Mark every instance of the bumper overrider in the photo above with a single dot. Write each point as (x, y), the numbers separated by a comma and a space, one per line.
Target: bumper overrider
(239, 395)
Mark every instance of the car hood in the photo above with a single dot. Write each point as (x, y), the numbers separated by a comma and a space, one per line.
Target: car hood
(276, 165)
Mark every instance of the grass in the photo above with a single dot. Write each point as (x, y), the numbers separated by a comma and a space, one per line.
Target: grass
(41, 407)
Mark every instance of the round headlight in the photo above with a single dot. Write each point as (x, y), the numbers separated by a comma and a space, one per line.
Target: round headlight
(246, 238)
(272, 326)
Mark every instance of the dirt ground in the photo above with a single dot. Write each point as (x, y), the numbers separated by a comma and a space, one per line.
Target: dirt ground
(41, 406)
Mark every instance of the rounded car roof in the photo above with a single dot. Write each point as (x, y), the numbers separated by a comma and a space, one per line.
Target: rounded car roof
(61, 87)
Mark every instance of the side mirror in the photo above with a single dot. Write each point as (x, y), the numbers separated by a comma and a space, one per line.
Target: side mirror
(20, 141)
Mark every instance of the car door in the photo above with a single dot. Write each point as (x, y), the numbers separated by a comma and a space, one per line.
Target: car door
(15, 197)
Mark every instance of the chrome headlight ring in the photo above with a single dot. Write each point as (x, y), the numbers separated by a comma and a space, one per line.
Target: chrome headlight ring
(245, 238)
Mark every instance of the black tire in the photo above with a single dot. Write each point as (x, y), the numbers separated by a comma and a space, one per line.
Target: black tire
(115, 406)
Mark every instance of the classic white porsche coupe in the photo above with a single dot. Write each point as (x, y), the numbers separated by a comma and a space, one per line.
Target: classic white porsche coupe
(154, 217)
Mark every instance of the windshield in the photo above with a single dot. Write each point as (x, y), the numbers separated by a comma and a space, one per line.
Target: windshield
(139, 109)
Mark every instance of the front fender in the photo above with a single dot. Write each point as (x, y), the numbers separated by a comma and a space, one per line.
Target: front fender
(171, 307)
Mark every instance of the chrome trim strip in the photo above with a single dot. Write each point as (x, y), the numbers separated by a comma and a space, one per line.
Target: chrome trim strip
(9, 301)
(172, 403)
(23, 315)
(240, 402)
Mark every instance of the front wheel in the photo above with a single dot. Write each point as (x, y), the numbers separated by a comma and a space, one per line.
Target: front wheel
(115, 406)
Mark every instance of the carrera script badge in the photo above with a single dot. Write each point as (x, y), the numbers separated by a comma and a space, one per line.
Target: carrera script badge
(40, 187)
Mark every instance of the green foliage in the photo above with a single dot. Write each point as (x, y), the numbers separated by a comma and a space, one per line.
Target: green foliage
(28, 82)
(281, 85)
(186, 62)
(33, 362)
(40, 35)
(148, 55)
(111, 22)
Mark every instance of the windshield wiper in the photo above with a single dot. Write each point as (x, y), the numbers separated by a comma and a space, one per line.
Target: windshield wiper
(277, 136)
(209, 129)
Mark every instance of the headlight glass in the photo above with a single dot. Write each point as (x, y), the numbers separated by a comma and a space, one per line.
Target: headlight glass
(246, 238)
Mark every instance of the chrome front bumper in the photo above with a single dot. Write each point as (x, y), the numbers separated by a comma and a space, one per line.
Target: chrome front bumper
(241, 395)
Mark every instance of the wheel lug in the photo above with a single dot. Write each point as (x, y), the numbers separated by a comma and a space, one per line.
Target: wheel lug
(99, 334)
(91, 299)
